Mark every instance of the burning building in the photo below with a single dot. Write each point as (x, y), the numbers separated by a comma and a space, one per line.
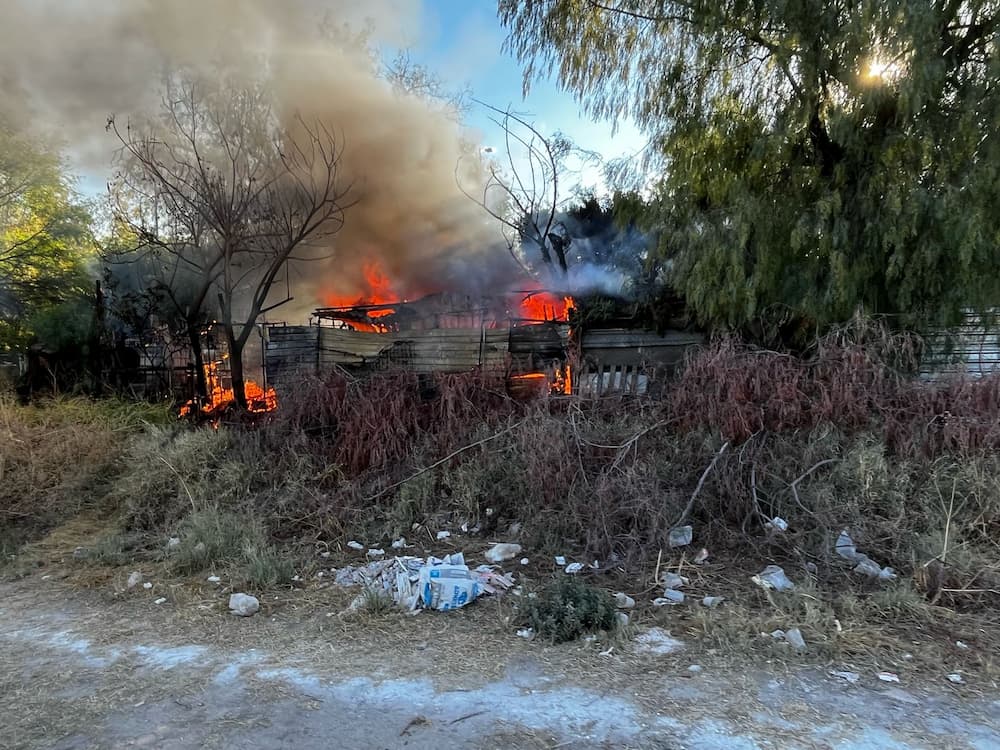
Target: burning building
(533, 335)
(526, 334)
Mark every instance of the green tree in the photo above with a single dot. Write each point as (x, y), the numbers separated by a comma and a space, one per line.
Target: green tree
(45, 237)
(813, 157)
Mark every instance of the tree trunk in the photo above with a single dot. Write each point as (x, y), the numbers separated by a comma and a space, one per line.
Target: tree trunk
(95, 344)
(236, 368)
(201, 384)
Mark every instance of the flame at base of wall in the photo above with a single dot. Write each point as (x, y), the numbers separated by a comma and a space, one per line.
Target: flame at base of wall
(221, 398)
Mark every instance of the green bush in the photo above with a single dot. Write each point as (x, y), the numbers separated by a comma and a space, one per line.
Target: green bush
(568, 609)
(213, 537)
(265, 567)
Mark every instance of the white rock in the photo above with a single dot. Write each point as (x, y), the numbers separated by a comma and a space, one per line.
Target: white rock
(888, 677)
(213, 579)
(173, 542)
(658, 642)
(147, 585)
(134, 579)
(524, 561)
(712, 601)
(661, 602)
(502, 552)
(624, 601)
(956, 678)
(701, 557)
(243, 605)
(161, 600)
(574, 568)
(622, 619)
(526, 633)
(560, 560)
(963, 646)
(399, 543)
(376, 553)
(355, 545)
(443, 535)
(694, 668)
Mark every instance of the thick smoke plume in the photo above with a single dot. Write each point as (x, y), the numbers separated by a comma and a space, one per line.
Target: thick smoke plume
(66, 65)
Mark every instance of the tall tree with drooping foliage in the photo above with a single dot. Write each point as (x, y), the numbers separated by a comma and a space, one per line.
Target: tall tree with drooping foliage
(814, 158)
(45, 237)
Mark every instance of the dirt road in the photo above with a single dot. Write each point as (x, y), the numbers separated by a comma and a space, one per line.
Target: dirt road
(82, 670)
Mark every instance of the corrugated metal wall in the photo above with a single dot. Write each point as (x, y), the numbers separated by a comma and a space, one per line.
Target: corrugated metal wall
(971, 348)
(611, 360)
(628, 361)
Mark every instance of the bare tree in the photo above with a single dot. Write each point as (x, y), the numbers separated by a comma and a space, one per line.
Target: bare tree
(231, 195)
(524, 190)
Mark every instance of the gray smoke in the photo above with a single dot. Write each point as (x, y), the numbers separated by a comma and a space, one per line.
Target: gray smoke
(65, 66)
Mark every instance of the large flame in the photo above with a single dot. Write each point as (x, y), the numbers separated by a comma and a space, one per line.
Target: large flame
(219, 397)
(532, 304)
(542, 305)
(378, 290)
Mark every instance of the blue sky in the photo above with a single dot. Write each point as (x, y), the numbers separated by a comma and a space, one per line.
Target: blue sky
(461, 41)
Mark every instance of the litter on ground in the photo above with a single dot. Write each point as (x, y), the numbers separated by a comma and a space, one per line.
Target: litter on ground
(435, 583)
(624, 601)
(680, 536)
(673, 581)
(863, 564)
(499, 553)
(773, 577)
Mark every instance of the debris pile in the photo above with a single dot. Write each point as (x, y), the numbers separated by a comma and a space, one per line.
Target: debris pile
(435, 583)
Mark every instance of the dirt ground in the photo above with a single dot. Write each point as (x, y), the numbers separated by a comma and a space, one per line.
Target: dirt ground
(106, 668)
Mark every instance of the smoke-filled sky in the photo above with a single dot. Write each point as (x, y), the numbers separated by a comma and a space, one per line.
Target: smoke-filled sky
(66, 65)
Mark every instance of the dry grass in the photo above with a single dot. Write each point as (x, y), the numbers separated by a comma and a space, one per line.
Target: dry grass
(56, 458)
(841, 439)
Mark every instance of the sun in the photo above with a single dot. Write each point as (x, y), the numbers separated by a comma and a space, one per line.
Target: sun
(881, 70)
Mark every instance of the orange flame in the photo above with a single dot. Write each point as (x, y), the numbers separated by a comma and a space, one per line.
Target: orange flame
(259, 400)
(533, 305)
(378, 291)
(545, 306)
